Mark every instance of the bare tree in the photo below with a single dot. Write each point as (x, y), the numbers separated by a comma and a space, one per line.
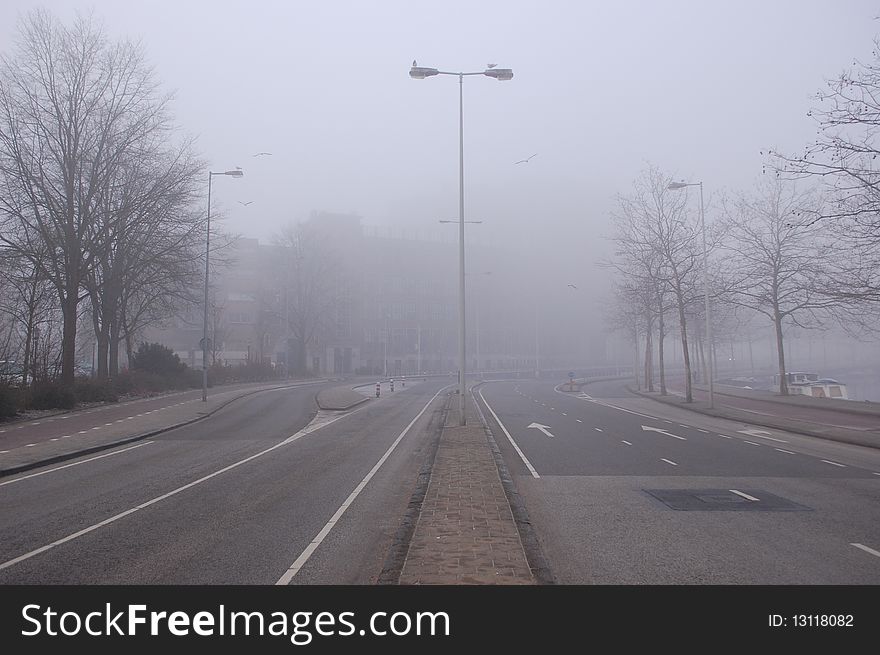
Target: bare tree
(779, 262)
(657, 241)
(73, 106)
(843, 159)
(312, 267)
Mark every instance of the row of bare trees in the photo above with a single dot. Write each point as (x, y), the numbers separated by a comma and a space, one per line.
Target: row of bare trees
(97, 191)
(801, 250)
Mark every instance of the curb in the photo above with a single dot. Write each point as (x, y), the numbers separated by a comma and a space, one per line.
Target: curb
(757, 419)
(127, 440)
(528, 537)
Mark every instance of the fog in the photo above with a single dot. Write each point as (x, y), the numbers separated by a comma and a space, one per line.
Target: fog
(600, 90)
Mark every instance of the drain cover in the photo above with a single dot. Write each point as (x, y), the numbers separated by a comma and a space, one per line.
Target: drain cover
(724, 500)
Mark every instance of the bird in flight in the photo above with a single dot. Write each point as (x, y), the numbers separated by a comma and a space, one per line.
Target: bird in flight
(572, 286)
(262, 153)
(415, 65)
(524, 161)
(245, 203)
(491, 65)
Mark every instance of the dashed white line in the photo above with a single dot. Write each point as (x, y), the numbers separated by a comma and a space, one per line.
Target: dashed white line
(724, 436)
(833, 463)
(744, 495)
(3, 451)
(106, 424)
(564, 414)
(598, 429)
(784, 451)
(668, 461)
(58, 468)
(578, 420)
(97, 427)
(66, 436)
(29, 445)
(82, 431)
(866, 549)
(54, 439)
(626, 442)
(703, 431)
(751, 443)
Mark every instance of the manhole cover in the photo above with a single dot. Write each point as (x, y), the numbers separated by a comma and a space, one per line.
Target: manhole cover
(725, 500)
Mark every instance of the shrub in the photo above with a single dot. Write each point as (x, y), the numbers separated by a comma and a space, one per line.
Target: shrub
(158, 359)
(88, 390)
(9, 400)
(52, 395)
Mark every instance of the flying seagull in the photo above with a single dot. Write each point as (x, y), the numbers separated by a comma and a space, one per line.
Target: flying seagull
(245, 203)
(524, 161)
(262, 153)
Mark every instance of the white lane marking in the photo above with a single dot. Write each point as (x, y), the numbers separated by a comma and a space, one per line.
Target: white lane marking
(746, 496)
(157, 499)
(307, 553)
(35, 423)
(564, 414)
(106, 424)
(669, 461)
(29, 445)
(626, 442)
(91, 459)
(598, 429)
(3, 451)
(578, 420)
(543, 428)
(724, 436)
(97, 427)
(751, 443)
(833, 463)
(761, 434)
(66, 436)
(874, 473)
(701, 430)
(54, 439)
(509, 438)
(867, 550)
(662, 431)
(784, 451)
(553, 408)
(683, 426)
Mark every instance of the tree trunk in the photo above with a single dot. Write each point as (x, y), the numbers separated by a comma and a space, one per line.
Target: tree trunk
(649, 353)
(783, 383)
(661, 336)
(113, 363)
(68, 337)
(103, 345)
(682, 324)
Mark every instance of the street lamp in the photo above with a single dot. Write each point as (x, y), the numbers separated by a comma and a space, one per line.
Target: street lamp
(501, 74)
(234, 173)
(681, 185)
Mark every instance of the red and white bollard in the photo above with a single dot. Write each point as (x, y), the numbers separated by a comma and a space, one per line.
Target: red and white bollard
(378, 389)
(392, 384)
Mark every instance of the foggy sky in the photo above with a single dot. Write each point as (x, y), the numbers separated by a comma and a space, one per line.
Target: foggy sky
(600, 89)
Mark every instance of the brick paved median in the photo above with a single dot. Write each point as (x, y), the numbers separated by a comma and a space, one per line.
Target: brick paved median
(465, 533)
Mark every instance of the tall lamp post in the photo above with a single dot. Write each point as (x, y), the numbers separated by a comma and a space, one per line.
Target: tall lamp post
(681, 185)
(234, 173)
(501, 74)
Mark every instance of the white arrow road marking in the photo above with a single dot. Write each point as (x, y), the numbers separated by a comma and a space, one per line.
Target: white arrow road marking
(661, 431)
(866, 549)
(761, 434)
(543, 428)
(746, 496)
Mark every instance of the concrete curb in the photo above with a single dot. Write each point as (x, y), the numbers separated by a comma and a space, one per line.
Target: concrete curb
(139, 437)
(331, 405)
(841, 435)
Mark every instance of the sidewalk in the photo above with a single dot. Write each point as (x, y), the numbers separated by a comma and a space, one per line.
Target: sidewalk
(466, 533)
(134, 427)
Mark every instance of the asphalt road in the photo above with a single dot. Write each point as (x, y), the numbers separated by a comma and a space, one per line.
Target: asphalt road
(237, 498)
(755, 507)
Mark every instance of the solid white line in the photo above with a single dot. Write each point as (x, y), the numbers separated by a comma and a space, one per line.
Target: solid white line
(307, 553)
(112, 519)
(834, 463)
(669, 461)
(866, 549)
(784, 451)
(58, 468)
(751, 442)
(746, 496)
(509, 438)
(627, 443)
